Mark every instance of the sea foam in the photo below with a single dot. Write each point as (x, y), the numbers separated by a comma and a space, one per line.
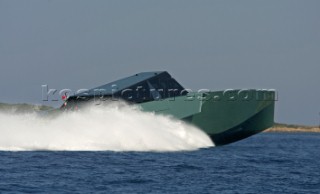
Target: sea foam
(115, 127)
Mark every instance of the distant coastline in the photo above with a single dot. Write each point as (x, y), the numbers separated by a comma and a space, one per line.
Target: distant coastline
(23, 108)
(279, 127)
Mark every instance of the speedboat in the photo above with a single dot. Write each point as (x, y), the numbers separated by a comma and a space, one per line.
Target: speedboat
(226, 116)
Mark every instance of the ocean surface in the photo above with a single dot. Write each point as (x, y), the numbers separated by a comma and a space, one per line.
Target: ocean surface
(264, 163)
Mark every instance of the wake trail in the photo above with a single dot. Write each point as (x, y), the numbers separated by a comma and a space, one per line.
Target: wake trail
(109, 128)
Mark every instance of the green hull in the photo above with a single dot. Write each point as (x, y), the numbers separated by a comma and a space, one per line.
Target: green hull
(225, 116)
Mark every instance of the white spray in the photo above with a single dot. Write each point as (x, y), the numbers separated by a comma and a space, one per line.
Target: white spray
(113, 128)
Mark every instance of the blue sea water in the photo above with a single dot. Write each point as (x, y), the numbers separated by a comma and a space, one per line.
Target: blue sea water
(264, 163)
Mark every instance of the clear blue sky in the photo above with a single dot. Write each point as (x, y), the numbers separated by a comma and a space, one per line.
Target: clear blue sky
(204, 44)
